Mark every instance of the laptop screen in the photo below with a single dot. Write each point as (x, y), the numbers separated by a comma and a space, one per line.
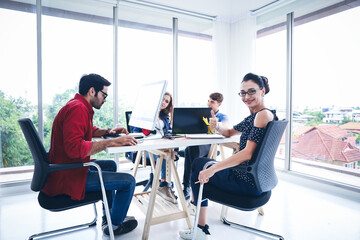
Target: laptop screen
(190, 120)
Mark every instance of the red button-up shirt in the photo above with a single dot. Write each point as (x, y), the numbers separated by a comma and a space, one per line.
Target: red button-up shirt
(70, 142)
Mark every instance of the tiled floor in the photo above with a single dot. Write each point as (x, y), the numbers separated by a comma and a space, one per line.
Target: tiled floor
(298, 209)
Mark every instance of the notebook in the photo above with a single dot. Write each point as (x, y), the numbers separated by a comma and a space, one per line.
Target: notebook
(190, 120)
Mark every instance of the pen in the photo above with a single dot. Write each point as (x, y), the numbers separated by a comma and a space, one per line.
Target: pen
(197, 182)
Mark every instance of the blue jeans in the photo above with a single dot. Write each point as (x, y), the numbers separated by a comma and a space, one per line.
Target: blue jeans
(224, 179)
(121, 185)
(163, 165)
(192, 153)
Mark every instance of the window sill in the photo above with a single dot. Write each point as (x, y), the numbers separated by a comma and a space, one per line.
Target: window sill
(332, 174)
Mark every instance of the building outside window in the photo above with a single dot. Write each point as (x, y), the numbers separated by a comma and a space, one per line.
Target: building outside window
(325, 104)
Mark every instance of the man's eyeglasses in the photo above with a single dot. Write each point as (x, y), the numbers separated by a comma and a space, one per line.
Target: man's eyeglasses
(249, 92)
(105, 94)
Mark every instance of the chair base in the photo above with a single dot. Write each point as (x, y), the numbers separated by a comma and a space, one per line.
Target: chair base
(248, 229)
(146, 183)
(67, 229)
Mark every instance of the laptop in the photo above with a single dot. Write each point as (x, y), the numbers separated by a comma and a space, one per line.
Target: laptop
(190, 120)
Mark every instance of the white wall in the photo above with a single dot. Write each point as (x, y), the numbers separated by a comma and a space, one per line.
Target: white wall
(234, 51)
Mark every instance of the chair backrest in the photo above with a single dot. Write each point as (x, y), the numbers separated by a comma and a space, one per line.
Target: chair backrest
(127, 117)
(41, 162)
(261, 165)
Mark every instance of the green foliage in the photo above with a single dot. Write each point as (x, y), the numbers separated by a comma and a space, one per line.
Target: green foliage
(103, 118)
(50, 111)
(14, 148)
(358, 140)
(317, 120)
(346, 120)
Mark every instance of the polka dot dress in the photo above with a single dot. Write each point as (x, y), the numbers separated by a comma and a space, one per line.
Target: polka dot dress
(252, 133)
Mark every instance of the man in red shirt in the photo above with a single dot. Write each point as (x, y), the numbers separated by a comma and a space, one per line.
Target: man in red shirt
(71, 137)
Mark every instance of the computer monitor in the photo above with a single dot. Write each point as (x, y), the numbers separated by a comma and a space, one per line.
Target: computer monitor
(147, 105)
(190, 120)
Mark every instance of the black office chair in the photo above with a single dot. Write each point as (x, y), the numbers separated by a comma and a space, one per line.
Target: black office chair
(42, 169)
(127, 118)
(261, 168)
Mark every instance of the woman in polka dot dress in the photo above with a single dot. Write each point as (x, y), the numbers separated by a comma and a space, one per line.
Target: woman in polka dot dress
(252, 91)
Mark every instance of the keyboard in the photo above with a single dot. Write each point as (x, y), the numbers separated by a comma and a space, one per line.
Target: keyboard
(135, 135)
(170, 135)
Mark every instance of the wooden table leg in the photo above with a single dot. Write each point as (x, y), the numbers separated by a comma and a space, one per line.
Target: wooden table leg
(152, 161)
(168, 168)
(150, 219)
(155, 185)
(181, 194)
(213, 151)
(137, 162)
(222, 152)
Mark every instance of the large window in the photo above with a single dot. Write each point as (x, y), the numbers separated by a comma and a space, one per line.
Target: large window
(196, 75)
(77, 37)
(326, 134)
(271, 63)
(326, 126)
(144, 56)
(72, 47)
(195, 62)
(18, 89)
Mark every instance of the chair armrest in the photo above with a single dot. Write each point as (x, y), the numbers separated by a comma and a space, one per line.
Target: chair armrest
(105, 201)
(208, 164)
(198, 205)
(60, 167)
(242, 168)
(65, 166)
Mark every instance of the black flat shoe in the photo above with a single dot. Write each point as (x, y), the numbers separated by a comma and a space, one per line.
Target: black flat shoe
(126, 226)
(104, 220)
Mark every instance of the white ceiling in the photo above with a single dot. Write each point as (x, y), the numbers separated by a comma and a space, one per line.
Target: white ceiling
(227, 9)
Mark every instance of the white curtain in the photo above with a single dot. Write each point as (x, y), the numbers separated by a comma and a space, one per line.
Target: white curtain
(221, 41)
(234, 54)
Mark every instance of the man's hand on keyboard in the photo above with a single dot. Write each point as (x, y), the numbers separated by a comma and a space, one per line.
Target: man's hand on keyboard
(124, 141)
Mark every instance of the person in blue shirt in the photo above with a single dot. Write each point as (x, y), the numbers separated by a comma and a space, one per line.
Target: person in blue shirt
(162, 126)
(193, 152)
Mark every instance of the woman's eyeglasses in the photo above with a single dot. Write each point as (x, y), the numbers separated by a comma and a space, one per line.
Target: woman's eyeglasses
(249, 92)
(105, 94)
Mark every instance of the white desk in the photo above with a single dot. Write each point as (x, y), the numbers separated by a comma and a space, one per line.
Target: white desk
(166, 144)
(162, 211)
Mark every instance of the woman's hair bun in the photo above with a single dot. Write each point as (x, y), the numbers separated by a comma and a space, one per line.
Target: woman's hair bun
(266, 84)
(262, 81)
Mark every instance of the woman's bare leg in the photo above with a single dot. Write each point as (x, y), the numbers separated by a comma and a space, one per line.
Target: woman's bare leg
(203, 216)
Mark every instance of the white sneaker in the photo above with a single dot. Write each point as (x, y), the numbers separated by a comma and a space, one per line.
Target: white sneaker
(191, 208)
(188, 234)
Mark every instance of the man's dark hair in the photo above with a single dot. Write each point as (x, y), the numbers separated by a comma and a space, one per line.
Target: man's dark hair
(88, 81)
(217, 97)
